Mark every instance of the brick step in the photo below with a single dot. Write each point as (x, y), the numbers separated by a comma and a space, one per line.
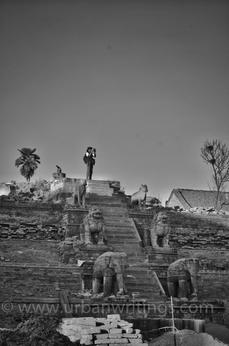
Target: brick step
(132, 249)
(133, 246)
(117, 214)
(120, 226)
(118, 221)
(120, 231)
(114, 212)
(118, 240)
(105, 201)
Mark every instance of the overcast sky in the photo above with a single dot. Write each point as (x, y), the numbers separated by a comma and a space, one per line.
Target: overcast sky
(146, 82)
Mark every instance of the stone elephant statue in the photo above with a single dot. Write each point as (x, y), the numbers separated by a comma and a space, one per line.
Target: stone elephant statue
(109, 273)
(182, 278)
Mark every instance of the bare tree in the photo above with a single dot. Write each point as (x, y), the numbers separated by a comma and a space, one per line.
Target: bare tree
(216, 154)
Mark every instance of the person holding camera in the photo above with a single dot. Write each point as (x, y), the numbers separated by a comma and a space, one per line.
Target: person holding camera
(89, 160)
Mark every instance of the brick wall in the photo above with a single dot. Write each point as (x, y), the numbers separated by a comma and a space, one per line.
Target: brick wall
(22, 251)
(22, 282)
(30, 221)
(213, 284)
(31, 231)
(188, 230)
(30, 212)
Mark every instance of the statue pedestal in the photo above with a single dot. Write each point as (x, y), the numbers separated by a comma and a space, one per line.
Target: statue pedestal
(102, 187)
(72, 252)
(161, 255)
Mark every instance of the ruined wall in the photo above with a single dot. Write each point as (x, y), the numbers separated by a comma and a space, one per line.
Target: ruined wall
(188, 230)
(192, 231)
(72, 219)
(31, 212)
(23, 282)
(213, 284)
(31, 221)
(22, 251)
(203, 236)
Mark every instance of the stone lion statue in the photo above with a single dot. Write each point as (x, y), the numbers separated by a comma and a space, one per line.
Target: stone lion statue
(159, 232)
(139, 197)
(93, 228)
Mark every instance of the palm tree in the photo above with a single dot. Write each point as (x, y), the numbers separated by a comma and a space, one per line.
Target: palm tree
(28, 161)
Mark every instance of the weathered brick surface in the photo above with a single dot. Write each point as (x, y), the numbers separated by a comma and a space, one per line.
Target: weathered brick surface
(31, 231)
(189, 230)
(31, 221)
(36, 281)
(213, 285)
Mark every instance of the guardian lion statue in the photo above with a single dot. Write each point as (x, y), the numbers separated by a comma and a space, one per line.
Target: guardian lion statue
(159, 232)
(93, 228)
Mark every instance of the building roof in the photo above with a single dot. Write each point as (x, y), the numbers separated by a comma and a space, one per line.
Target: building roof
(197, 198)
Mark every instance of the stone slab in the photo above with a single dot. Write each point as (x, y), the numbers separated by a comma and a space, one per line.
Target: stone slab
(90, 330)
(125, 324)
(128, 330)
(102, 336)
(115, 331)
(118, 341)
(116, 336)
(101, 341)
(114, 317)
(120, 344)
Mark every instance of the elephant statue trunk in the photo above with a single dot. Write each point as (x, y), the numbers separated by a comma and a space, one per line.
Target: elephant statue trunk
(182, 278)
(109, 272)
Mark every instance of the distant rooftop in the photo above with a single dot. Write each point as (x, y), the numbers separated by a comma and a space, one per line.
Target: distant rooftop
(188, 198)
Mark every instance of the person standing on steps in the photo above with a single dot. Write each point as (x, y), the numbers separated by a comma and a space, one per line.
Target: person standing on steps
(89, 160)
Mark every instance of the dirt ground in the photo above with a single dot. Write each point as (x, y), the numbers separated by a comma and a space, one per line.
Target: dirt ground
(219, 337)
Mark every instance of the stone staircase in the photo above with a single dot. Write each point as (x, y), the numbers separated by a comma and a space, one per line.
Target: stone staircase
(122, 235)
(120, 229)
(99, 187)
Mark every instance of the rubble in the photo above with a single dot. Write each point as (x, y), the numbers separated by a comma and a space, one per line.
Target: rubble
(101, 331)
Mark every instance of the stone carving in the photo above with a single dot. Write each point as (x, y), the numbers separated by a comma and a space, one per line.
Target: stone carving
(139, 197)
(160, 230)
(93, 228)
(80, 193)
(182, 278)
(69, 249)
(109, 273)
(58, 174)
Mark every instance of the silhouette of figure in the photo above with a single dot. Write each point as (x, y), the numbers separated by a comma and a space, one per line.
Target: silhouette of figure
(89, 160)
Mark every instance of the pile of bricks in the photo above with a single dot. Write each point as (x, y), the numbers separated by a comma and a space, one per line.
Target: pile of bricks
(110, 331)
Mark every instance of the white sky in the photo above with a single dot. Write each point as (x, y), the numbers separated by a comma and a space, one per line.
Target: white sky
(145, 82)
